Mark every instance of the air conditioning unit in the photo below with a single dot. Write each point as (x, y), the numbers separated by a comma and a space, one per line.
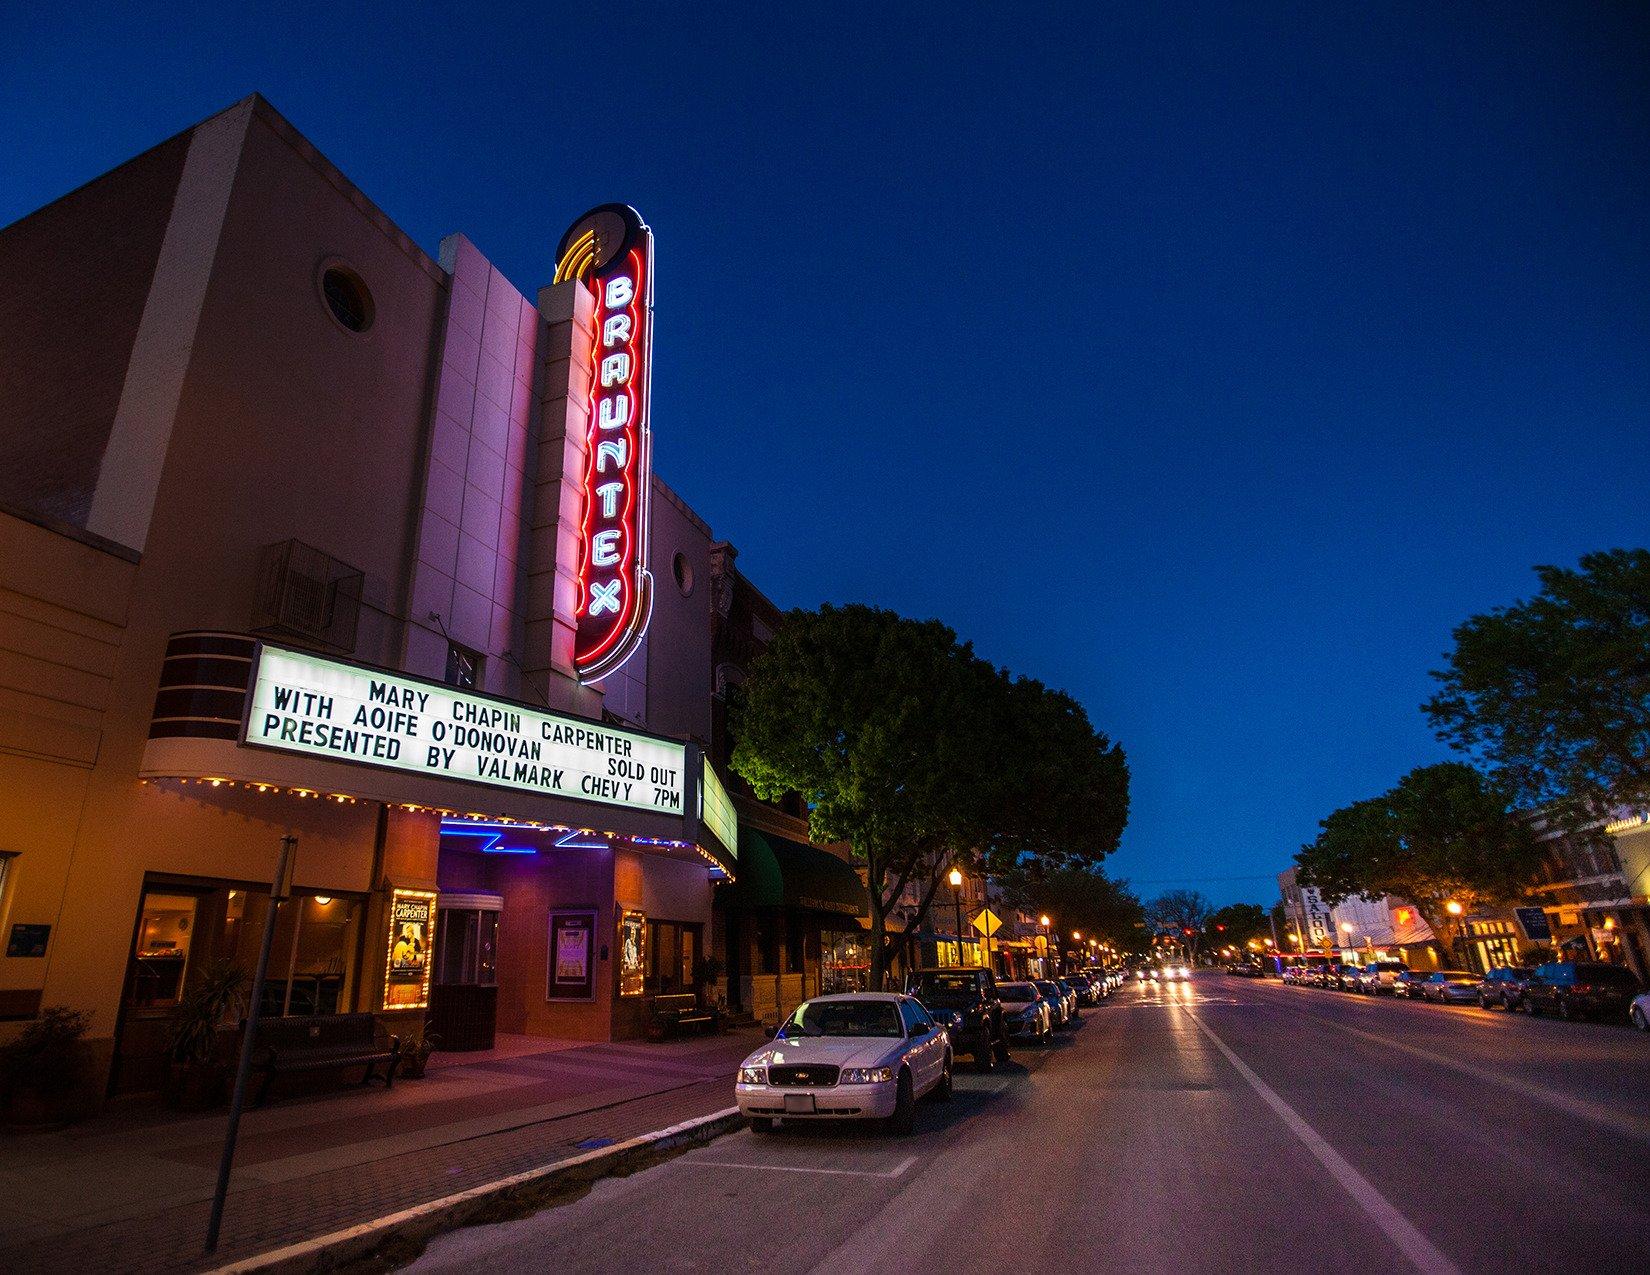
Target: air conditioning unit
(304, 593)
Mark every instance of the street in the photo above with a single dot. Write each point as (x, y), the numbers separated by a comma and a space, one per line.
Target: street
(1223, 1125)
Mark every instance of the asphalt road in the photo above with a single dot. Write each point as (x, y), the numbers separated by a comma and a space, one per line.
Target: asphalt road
(1227, 1125)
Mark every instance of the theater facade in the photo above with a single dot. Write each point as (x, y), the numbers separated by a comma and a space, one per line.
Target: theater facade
(306, 533)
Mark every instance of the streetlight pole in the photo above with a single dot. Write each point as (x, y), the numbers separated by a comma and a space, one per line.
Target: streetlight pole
(956, 899)
(279, 890)
(1048, 947)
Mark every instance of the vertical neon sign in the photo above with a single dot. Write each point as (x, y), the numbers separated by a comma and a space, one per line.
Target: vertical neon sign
(610, 250)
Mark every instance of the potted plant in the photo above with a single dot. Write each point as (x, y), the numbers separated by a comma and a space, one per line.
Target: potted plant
(415, 1056)
(42, 1070)
(198, 1077)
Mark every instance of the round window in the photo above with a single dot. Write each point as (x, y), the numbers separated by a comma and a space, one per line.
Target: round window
(682, 569)
(347, 297)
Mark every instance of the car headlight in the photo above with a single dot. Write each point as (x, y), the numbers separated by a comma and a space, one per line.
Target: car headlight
(753, 1075)
(865, 1075)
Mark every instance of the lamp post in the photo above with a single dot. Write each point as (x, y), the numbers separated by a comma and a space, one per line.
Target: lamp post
(1047, 952)
(956, 900)
(1458, 942)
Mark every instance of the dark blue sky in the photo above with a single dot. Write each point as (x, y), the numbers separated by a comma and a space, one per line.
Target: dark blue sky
(1209, 362)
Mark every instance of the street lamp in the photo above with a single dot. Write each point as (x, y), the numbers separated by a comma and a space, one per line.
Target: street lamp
(1047, 946)
(956, 899)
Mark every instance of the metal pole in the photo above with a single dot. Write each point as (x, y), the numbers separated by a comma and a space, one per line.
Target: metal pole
(956, 900)
(277, 891)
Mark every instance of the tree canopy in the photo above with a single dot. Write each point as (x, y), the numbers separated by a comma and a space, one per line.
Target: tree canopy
(1085, 900)
(1236, 923)
(1444, 832)
(919, 754)
(1184, 914)
(1552, 694)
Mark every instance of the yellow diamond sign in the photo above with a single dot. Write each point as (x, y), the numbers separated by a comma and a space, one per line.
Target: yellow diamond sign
(987, 922)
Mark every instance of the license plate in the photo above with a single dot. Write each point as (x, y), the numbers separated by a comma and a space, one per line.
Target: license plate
(799, 1104)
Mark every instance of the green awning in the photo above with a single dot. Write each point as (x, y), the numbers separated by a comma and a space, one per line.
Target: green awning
(775, 872)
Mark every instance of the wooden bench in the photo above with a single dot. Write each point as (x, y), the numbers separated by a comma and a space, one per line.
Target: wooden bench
(675, 1013)
(320, 1043)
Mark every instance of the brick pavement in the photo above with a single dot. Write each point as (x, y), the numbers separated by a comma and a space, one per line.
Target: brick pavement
(264, 1215)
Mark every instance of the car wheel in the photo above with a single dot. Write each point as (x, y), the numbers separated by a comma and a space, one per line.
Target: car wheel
(983, 1058)
(761, 1124)
(1000, 1049)
(1483, 1001)
(942, 1087)
(1636, 1016)
(1565, 1012)
(1531, 1008)
(904, 1119)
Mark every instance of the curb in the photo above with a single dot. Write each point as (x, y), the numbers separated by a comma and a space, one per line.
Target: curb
(516, 1195)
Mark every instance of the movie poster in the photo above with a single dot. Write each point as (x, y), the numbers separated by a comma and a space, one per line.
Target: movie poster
(632, 954)
(412, 935)
(572, 959)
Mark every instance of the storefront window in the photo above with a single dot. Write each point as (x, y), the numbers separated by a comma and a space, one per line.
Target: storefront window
(845, 962)
(166, 929)
(311, 962)
(673, 950)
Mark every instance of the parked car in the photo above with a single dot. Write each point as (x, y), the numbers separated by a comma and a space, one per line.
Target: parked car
(1073, 998)
(858, 1055)
(1450, 987)
(1087, 994)
(1407, 985)
(1057, 1000)
(1296, 975)
(1580, 989)
(1027, 1013)
(1378, 977)
(1639, 1012)
(964, 1001)
(1503, 987)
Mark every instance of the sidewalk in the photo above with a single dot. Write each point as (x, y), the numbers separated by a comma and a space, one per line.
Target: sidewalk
(131, 1191)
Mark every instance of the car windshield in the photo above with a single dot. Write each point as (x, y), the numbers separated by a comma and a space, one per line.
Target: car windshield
(843, 1018)
(1019, 993)
(1047, 989)
(947, 987)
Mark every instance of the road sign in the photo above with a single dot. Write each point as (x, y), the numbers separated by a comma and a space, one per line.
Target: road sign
(987, 922)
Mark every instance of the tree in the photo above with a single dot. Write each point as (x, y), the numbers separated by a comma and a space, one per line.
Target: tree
(1236, 923)
(1443, 834)
(1084, 900)
(1552, 694)
(1183, 914)
(921, 756)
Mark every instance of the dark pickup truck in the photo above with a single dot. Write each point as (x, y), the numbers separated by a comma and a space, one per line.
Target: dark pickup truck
(964, 1002)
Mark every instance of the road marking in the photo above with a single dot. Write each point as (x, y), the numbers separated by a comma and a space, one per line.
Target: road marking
(897, 1171)
(1394, 1225)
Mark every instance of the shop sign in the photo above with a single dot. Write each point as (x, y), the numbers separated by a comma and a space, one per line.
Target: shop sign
(303, 703)
(1533, 921)
(28, 940)
(611, 251)
(407, 967)
(716, 810)
(572, 960)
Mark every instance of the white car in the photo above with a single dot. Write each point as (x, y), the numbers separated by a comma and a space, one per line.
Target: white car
(1638, 1013)
(855, 1056)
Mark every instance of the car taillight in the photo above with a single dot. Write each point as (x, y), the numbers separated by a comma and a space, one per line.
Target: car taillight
(1582, 989)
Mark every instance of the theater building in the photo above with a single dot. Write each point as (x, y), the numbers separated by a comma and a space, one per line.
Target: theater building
(306, 533)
